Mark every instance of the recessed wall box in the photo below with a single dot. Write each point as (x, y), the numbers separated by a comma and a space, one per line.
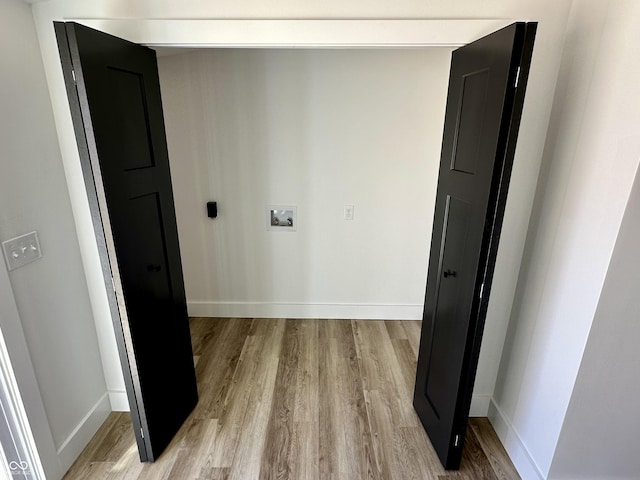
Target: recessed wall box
(282, 218)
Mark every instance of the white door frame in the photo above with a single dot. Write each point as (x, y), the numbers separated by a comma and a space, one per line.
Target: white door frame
(297, 33)
(21, 398)
(227, 34)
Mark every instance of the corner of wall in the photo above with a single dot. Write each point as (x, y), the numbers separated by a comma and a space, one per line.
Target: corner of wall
(577, 218)
(513, 444)
(73, 445)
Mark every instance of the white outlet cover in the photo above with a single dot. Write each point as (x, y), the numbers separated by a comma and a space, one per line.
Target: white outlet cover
(22, 250)
(349, 212)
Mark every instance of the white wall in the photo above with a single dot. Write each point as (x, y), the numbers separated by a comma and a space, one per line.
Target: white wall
(317, 129)
(591, 157)
(599, 434)
(51, 293)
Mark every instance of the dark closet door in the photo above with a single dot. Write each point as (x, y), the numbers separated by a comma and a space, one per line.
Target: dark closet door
(486, 92)
(114, 93)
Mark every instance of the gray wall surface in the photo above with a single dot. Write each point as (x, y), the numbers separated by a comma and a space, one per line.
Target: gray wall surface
(51, 294)
(600, 431)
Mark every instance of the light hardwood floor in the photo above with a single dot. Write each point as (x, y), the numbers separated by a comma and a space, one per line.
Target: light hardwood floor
(298, 399)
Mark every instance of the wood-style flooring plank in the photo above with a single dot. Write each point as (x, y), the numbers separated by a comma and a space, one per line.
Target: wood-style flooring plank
(117, 441)
(493, 449)
(161, 468)
(193, 452)
(299, 400)
(346, 446)
(395, 330)
(305, 451)
(127, 467)
(275, 463)
(474, 461)
(406, 361)
(328, 463)
(219, 356)
(252, 429)
(413, 329)
(416, 456)
(357, 457)
(381, 371)
(94, 471)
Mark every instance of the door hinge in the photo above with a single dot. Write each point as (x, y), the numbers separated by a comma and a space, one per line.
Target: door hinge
(456, 442)
(141, 432)
(517, 77)
(481, 290)
(73, 74)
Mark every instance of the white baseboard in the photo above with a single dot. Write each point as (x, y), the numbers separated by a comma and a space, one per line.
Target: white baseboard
(513, 444)
(303, 310)
(119, 401)
(479, 405)
(84, 431)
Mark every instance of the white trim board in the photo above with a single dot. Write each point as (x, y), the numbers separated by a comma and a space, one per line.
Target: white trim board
(303, 310)
(513, 444)
(298, 33)
(119, 401)
(71, 448)
(479, 405)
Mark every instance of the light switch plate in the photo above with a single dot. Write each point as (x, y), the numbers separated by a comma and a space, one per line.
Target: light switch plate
(20, 251)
